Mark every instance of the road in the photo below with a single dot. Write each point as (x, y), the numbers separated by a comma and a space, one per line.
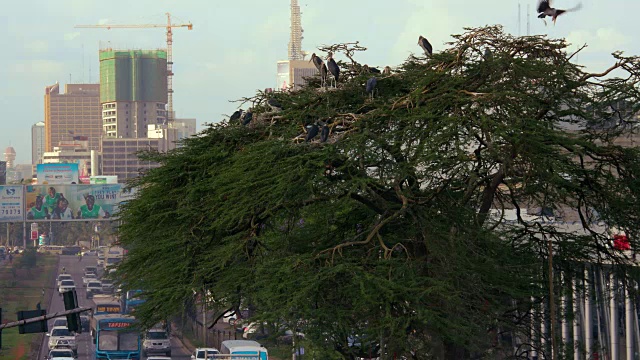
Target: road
(85, 347)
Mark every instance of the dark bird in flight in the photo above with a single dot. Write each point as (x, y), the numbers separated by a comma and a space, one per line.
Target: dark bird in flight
(371, 86)
(545, 9)
(425, 45)
(324, 134)
(333, 68)
(235, 116)
(247, 117)
(387, 70)
(317, 61)
(323, 75)
(311, 133)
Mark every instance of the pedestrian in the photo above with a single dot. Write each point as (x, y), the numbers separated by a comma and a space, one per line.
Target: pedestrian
(10, 257)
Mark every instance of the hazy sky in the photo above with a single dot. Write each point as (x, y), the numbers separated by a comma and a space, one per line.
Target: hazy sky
(234, 46)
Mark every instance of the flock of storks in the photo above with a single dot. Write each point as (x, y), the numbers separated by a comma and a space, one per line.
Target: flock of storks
(331, 68)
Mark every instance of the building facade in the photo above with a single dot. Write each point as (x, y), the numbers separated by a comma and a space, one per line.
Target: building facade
(133, 91)
(37, 143)
(292, 73)
(119, 156)
(76, 112)
(185, 128)
(72, 152)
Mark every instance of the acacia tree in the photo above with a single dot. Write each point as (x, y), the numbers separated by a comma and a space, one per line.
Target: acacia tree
(386, 235)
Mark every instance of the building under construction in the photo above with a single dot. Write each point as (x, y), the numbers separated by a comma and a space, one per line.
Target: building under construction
(133, 91)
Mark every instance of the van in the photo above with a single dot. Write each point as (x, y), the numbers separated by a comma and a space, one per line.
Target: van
(244, 347)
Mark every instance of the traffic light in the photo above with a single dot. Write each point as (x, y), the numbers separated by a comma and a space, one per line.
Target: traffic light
(70, 299)
(35, 327)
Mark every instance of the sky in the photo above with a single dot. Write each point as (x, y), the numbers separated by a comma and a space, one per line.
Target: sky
(234, 45)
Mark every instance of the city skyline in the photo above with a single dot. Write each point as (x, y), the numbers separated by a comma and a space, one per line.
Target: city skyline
(223, 59)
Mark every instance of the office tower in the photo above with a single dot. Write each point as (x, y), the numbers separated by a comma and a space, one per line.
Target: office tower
(37, 143)
(76, 112)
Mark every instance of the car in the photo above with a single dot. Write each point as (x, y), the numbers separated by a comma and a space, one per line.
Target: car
(66, 285)
(61, 354)
(107, 286)
(158, 358)
(93, 288)
(61, 338)
(63, 277)
(88, 277)
(156, 341)
(61, 321)
(89, 253)
(199, 353)
(91, 270)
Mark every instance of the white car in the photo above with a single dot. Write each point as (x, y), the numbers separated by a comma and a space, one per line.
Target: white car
(156, 341)
(63, 277)
(199, 353)
(61, 354)
(66, 285)
(87, 278)
(61, 338)
(61, 321)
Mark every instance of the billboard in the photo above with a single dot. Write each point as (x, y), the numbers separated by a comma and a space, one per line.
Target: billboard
(57, 174)
(71, 202)
(104, 179)
(11, 203)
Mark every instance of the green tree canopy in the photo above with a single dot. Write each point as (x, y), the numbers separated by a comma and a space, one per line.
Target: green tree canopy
(391, 230)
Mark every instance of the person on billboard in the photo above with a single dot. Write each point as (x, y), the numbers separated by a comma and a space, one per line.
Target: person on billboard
(51, 199)
(90, 210)
(62, 211)
(38, 211)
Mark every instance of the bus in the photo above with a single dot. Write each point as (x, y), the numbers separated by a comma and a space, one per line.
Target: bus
(246, 348)
(107, 304)
(116, 337)
(132, 300)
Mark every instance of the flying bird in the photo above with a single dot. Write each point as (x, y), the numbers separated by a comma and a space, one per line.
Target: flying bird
(311, 133)
(333, 68)
(545, 9)
(386, 71)
(235, 116)
(371, 86)
(425, 45)
(317, 61)
(323, 75)
(247, 118)
(324, 134)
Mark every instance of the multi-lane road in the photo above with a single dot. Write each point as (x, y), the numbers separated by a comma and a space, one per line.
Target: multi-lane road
(86, 350)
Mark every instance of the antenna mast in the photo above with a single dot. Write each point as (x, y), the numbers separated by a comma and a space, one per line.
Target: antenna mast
(519, 22)
(528, 22)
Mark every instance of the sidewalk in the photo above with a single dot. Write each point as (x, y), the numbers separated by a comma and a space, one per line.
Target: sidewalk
(186, 344)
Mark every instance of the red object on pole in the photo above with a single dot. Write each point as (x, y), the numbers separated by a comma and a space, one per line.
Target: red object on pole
(621, 242)
(34, 235)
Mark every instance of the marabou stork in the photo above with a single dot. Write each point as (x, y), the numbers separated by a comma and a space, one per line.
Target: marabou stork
(235, 116)
(425, 45)
(311, 133)
(333, 69)
(545, 9)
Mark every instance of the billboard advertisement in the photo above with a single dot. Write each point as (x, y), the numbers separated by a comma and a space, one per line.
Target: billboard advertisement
(104, 179)
(11, 203)
(57, 174)
(71, 202)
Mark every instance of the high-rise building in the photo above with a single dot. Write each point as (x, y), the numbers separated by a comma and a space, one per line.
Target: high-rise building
(10, 156)
(133, 91)
(295, 40)
(119, 155)
(37, 143)
(291, 73)
(74, 113)
(185, 128)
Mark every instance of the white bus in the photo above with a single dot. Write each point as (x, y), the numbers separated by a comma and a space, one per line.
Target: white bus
(245, 348)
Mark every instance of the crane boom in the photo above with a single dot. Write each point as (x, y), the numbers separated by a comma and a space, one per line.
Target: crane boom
(169, 26)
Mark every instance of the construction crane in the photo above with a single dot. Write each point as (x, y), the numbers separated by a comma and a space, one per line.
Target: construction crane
(169, 26)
